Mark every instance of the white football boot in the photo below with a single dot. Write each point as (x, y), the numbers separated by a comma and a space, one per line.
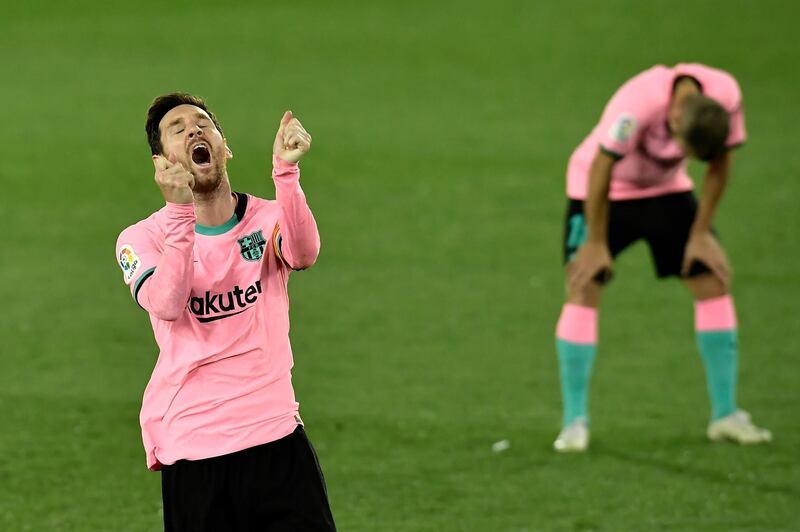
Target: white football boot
(574, 438)
(739, 428)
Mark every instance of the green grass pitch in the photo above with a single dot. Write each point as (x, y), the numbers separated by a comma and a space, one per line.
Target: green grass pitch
(424, 333)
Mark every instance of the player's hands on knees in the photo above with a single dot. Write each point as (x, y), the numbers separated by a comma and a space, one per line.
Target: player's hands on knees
(704, 247)
(593, 258)
(176, 183)
(292, 140)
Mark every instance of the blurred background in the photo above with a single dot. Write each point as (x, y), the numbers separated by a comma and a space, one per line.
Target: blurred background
(424, 334)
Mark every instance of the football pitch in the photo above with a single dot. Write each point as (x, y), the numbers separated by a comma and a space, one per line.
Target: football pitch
(424, 334)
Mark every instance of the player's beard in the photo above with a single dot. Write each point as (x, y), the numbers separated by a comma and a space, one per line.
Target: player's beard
(207, 183)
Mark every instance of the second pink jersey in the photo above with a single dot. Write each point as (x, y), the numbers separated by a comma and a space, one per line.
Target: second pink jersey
(223, 381)
(634, 128)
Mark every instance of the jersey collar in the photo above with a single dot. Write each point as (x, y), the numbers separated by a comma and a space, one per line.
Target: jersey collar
(238, 215)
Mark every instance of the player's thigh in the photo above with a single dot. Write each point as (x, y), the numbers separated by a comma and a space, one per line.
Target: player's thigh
(623, 230)
(281, 487)
(623, 227)
(307, 490)
(195, 497)
(667, 225)
(574, 236)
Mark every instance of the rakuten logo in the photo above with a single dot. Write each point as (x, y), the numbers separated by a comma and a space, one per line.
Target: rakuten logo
(212, 307)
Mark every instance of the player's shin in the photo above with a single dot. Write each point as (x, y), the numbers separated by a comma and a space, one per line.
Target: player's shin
(715, 325)
(576, 344)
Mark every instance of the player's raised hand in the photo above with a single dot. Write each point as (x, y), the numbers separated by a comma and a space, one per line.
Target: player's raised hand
(592, 260)
(704, 247)
(292, 140)
(176, 183)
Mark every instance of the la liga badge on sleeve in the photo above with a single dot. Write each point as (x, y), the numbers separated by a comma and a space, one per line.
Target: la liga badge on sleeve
(623, 128)
(129, 262)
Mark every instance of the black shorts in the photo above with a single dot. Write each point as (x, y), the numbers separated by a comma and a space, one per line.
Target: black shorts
(663, 222)
(276, 486)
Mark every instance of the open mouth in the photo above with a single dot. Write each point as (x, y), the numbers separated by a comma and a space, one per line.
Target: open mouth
(201, 155)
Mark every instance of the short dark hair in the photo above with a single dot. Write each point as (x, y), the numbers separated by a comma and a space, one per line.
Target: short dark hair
(706, 127)
(161, 106)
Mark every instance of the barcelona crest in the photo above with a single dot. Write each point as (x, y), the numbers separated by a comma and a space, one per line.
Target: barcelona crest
(252, 246)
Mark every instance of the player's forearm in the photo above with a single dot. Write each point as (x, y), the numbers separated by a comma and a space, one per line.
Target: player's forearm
(164, 295)
(300, 237)
(714, 183)
(597, 204)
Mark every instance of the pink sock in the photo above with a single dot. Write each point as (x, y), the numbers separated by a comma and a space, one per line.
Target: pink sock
(577, 324)
(715, 314)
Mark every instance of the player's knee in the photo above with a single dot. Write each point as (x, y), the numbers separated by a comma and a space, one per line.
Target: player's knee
(706, 286)
(588, 296)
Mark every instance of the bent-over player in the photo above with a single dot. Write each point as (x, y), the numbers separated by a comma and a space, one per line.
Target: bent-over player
(626, 182)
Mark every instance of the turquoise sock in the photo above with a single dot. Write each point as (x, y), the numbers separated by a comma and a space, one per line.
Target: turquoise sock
(575, 362)
(720, 353)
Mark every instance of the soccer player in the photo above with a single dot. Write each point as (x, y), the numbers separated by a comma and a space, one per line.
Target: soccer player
(626, 182)
(219, 416)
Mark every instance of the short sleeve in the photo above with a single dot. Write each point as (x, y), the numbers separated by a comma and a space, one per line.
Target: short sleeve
(621, 123)
(137, 256)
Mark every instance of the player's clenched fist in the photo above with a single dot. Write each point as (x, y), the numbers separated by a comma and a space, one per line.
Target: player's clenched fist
(292, 140)
(175, 182)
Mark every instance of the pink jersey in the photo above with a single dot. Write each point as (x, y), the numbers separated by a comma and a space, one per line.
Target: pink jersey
(218, 303)
(634, 128)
